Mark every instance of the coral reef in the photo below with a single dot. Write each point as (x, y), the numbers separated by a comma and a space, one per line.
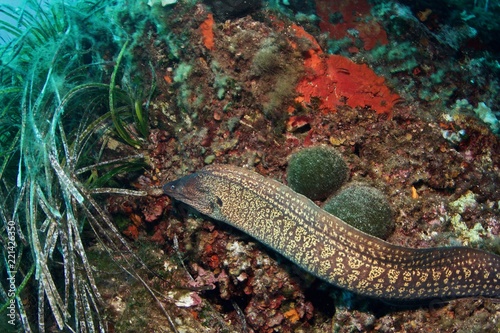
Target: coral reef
(407, 92)
(352, 19)
(335, 80)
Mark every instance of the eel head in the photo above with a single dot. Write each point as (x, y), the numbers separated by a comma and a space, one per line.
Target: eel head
(191, 191)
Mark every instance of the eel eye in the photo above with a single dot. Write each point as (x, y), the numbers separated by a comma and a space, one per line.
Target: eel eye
(172, 187)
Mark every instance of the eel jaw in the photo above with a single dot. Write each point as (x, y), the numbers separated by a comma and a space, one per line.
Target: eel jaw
(190, 190)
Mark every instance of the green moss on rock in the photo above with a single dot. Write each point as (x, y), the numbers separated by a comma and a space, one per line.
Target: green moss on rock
(364, 208)
(316, 172)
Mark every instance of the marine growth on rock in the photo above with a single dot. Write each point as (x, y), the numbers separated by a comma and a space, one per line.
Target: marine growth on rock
(364, 207)
(316, 172)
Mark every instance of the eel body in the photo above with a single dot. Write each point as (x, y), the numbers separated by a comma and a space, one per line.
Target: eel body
(329, 248)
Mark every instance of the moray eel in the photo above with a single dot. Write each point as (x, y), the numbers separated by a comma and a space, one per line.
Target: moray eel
(330, 249)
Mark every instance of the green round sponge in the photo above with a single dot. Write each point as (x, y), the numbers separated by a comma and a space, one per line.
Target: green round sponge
(364, 208)
(316, 172)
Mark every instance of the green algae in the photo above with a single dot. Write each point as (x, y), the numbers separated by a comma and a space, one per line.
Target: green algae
(363, 207)
(316, 172)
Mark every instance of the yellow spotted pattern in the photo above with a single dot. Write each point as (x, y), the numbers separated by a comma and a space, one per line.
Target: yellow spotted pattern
(331, 249)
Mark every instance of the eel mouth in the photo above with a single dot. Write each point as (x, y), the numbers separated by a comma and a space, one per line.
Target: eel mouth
(189, 190)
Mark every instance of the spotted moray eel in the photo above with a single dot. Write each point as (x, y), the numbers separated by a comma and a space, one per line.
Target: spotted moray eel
(329, 248)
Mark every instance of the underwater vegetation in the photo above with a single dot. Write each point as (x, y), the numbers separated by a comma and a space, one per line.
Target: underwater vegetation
(364, 207)
(319, 172)
(102, 102)
(316, 172)
(61, 112)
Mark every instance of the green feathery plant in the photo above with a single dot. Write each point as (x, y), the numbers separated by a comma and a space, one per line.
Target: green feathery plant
(55, 118)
